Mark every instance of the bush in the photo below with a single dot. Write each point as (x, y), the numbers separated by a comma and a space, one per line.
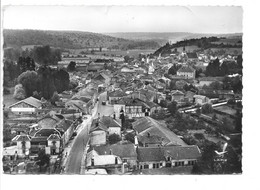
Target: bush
(207, 108)
(19, 92)
(199, 136)
(114, 138)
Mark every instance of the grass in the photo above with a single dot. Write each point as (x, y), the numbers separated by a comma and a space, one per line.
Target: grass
(226, 109)
(8, 99)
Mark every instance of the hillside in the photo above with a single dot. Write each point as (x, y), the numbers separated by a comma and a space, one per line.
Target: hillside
(222, 41)
(163, 37)
(71, 40)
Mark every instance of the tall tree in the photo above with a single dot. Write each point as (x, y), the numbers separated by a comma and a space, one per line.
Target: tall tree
(29, 80)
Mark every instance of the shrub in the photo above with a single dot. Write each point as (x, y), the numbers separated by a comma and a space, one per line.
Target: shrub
(19, 92)
(114, 138)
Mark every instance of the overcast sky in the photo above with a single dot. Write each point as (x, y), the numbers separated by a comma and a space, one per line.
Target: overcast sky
(104, 19)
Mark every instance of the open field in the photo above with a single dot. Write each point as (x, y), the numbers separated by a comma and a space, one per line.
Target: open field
(226, 109)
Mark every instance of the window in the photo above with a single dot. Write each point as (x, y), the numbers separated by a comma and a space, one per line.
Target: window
(154, 165)
(160, 164)
(146, 166)
(141, 167)
(168, 158)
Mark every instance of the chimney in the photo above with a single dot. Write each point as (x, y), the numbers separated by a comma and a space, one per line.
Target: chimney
(110, 152)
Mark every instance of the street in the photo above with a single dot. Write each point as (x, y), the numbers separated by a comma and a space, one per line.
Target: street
(75, 155)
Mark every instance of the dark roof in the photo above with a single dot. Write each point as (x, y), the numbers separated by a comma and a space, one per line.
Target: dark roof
(45, 132)
(116, 93)
(39, 139)
(146, 154)
(109, 122)
(64, 125)
(186, 69)
(192, 55)
(121, 150)
(21, 138)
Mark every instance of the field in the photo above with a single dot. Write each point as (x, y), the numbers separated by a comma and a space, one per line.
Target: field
(227, 50)
(8, 99)
(134, 52)
(226, 109)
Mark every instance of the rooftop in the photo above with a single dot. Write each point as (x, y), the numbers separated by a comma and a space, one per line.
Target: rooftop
(31, 101)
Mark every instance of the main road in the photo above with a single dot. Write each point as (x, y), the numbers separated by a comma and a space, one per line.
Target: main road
(73, 165)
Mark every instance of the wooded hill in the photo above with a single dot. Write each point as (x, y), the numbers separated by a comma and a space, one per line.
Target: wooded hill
(203, 44)
(71, 40)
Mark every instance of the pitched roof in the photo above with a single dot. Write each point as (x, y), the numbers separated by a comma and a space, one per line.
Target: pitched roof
(46, 132)
(121, 150)
(177, 92)
(53, 137)
(101, 160)
(186, 69)
(21, 138)
(116, 93)
(146, 154)
(147, 125)
(31, 101)
(109, 122)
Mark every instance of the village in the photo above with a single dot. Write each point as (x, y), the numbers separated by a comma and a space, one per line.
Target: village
(149, 114)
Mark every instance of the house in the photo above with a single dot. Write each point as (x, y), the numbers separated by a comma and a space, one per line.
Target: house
(79, 105)
(177, 95)
(111, 124)
(192, 56)
(98, 133)
(95, 67)
(23, 144)
(134, 107)
(126, 152)
(115, 95)
(200, 99)
(54, 144)
(186, 71)
(167, 156)
(189, 96)
(27, 106)
(111, 163)
(148, 127)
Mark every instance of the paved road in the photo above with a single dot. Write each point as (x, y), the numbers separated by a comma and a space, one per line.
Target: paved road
(106, 110)
(73, 165)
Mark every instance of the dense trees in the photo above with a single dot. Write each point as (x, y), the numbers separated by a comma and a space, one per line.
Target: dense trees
(172, 108)
(173, 70)
(25, 64)
(233, 83)
(45, 55)
(215, 68)
(44, 82)
(11, 71)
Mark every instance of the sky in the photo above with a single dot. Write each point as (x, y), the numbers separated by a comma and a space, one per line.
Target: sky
(109, 19)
